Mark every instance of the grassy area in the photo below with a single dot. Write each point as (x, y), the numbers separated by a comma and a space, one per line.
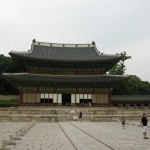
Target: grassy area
(9, 103)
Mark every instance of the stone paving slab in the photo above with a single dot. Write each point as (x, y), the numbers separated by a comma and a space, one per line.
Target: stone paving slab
(76, 135)
(130, 138)
(81, 140)
(7, 128)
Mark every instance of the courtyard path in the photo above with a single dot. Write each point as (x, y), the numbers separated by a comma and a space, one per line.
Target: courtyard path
(76, 135)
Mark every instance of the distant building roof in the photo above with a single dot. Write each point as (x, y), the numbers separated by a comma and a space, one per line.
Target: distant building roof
(130, 98)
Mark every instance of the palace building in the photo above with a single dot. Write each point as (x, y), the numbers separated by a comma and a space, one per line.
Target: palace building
(64, 74)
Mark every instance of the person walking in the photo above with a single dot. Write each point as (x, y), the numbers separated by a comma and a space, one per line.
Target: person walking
(80, 116)
(123, 123)
(144, 126)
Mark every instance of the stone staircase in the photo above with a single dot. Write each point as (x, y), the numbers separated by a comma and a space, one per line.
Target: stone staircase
(63, 114)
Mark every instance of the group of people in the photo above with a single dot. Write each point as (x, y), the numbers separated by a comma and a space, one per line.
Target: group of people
(86, 104)
(143, 123)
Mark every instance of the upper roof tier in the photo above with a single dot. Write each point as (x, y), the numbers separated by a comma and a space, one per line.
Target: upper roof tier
(64, 52)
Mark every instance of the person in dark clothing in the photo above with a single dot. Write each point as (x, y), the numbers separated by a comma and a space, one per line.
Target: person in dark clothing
(80, 116)
(123, 123)
(144, 126)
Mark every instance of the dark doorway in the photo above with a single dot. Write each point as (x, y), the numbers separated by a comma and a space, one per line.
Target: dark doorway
(46, 100)
(66, 99)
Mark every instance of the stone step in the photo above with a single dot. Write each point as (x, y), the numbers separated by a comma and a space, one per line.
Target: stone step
(56, 118)
(50, 114)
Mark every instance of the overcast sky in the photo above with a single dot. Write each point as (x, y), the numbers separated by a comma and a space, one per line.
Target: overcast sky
(114, 25)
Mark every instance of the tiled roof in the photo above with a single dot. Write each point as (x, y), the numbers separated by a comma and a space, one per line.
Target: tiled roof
(21, 77)
(64, 52)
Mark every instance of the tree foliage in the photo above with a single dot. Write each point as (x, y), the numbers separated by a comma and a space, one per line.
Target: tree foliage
(7, 65)
(119, 68)
(134, 85)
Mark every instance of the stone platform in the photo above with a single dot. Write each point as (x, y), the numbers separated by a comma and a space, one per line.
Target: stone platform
(75, 135)
(63, 114)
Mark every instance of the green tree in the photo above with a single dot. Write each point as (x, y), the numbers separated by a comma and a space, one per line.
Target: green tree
(119, 68)
(133, 86)
(7, 65)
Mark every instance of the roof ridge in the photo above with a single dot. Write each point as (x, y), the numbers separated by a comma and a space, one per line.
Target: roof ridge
(34, 74)
(111, 75)
(49, 44)
(14, 73)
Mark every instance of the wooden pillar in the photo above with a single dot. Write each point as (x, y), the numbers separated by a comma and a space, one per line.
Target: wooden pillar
(109, 97)
(21, 96)
(134, 104)
(127, 105)
(35, 96)
(142, 105)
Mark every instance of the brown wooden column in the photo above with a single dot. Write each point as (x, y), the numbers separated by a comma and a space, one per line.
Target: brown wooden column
(134, 105)
(21, 96)
(127, 105)
(109, 97)
(142, 105)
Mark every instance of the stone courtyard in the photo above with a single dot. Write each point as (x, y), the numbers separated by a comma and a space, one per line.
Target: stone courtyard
(72, 135)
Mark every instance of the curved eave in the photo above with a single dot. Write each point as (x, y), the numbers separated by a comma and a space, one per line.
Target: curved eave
(38, 80)
(26, 56)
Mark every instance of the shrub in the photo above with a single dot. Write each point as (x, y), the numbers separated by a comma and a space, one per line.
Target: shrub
(9, 103)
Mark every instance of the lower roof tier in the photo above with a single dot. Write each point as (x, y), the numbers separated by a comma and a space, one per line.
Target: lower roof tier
(77, 81)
